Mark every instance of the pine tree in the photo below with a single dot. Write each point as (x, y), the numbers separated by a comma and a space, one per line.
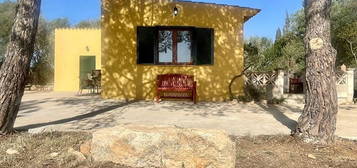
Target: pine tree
(287, 25)
(317, 123)
(278, 34)
(17, 62)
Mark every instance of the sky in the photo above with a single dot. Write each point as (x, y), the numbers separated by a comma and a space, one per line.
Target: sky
(264, 24)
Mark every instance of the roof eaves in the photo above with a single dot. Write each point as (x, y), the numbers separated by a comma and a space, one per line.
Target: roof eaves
(256, 11)
(207, 3)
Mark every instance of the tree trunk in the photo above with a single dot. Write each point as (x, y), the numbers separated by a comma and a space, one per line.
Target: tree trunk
(17, 62)
(317, 124)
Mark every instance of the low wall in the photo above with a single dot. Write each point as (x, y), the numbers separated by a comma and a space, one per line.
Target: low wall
(345, 85)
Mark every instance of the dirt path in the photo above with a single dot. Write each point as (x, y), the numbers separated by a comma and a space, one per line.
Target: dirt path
(65, 111)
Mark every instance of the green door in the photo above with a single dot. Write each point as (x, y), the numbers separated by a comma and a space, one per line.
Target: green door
(86, 65)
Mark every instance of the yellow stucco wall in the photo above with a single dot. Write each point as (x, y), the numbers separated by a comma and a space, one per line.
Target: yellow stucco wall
(124, 79)
(70, 44)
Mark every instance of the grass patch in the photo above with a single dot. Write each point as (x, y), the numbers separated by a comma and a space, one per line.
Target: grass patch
(286, 151)
(35, 151)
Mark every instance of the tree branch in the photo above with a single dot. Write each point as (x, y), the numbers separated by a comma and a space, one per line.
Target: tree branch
(235, 78)
(351, 48)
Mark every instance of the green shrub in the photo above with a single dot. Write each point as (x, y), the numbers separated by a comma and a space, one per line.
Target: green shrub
(252, 93)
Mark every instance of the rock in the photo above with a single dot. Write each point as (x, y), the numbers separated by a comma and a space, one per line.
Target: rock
(12, 151)
(54, 154)
(311, 156)
(163, 146)
(39, 130)
(85, 148)
(265, 102)
(78, 155)
(234, 101)
(269, 152)
(251, 103)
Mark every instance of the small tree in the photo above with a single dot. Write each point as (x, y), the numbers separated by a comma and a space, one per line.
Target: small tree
(16, 66)
(344, 31)
(317, 123)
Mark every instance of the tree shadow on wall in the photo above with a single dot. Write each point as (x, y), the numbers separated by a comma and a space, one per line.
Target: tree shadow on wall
(123, 78)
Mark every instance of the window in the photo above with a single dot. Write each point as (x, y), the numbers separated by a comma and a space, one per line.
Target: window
(175, 45)
(165, 46)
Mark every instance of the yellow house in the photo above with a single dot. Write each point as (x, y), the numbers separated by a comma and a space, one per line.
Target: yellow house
(144, 38)
(141, 39)
(77, 52)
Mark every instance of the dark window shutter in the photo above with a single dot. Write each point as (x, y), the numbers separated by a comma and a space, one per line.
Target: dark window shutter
(146, 42)
(203, 47)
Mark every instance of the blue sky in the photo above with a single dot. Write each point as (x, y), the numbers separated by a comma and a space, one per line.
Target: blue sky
(269, 19)
(264, 24)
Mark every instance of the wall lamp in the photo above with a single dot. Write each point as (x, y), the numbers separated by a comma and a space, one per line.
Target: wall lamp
(176, 11)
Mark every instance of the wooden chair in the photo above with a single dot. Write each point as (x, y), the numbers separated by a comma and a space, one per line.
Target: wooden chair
(97, 77)
(86, 83)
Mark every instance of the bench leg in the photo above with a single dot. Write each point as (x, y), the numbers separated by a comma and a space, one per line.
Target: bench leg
(194, 93)
(194, 96)
(158, 97)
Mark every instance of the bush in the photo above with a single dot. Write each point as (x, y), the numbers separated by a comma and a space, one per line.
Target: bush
(244, 99)
(252, 93)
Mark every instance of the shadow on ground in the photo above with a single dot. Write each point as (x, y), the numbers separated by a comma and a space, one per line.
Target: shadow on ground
(91, 112)
(216, 110)
(101, 110)
(279, 116)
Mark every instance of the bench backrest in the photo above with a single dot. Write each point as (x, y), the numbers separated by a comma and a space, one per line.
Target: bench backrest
(175, 81)
(295, 80)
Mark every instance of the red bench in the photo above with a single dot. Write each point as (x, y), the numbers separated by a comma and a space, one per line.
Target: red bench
(176, 86)
(296, 85)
